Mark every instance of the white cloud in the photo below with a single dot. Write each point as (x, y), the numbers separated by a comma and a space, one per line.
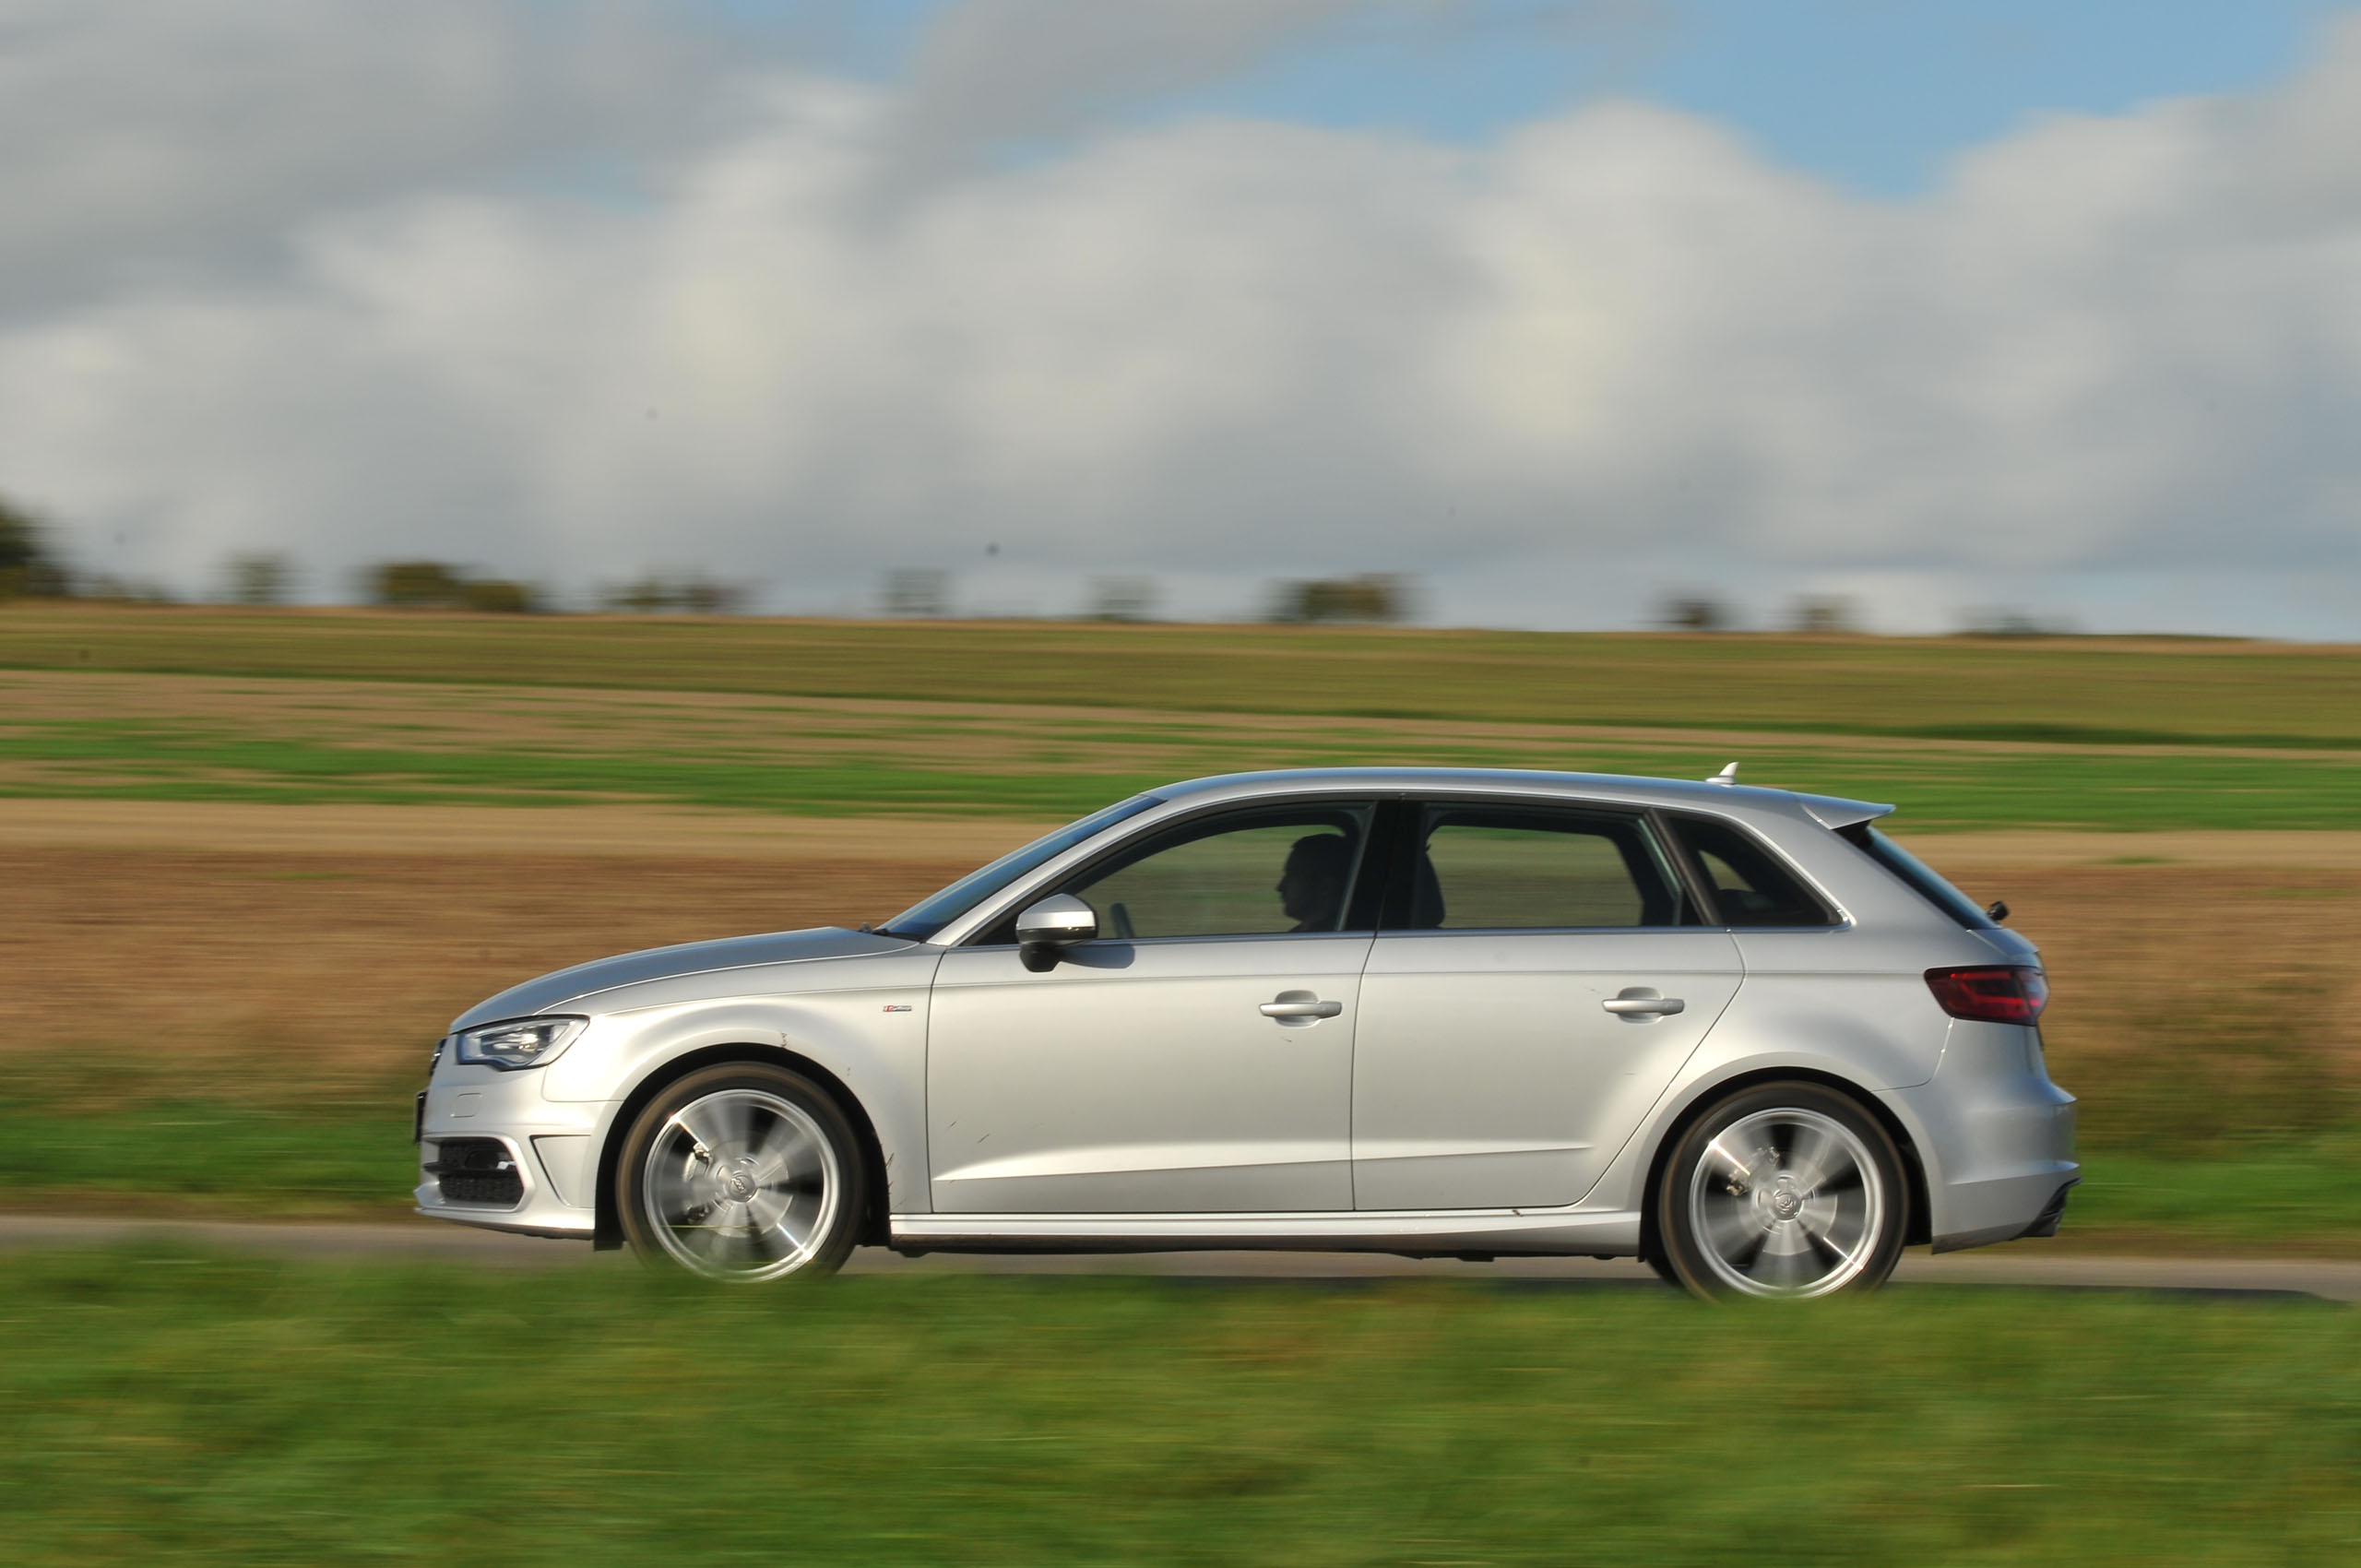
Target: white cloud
(2114, 361)
(994, 73)
(145, 134)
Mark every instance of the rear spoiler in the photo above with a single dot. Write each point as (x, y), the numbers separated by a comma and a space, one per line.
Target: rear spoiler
(1833, 811)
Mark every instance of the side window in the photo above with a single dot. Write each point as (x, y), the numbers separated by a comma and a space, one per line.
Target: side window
(1506, 868)
(1243, 873)
(1749, 882)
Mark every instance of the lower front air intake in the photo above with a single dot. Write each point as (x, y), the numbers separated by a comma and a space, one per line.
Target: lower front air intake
(476, 1170)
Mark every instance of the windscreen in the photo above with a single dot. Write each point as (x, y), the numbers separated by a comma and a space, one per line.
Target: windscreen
(1923, 879)
(922, 920)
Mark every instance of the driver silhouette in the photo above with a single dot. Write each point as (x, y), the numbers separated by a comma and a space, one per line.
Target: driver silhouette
(1311, 888)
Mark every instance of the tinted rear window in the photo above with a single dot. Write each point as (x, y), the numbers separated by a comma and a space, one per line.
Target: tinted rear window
(1922, 878)
(1751, 884)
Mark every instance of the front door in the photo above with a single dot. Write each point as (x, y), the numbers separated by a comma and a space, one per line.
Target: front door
(1491, 1072)
(1142, 1073)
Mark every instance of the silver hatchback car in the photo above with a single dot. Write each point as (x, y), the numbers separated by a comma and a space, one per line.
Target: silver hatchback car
(1736, 1032)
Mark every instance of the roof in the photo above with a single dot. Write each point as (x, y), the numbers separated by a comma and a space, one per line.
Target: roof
(1829, 811)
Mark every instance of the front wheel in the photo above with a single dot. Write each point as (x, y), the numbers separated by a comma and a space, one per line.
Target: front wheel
(741, 1172)
(1785, 1190)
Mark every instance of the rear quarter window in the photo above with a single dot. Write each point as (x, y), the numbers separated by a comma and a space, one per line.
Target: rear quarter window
(1749, 882)
(1918, 875)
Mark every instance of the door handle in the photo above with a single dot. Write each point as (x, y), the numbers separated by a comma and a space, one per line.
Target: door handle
(1638, 1002)
(1297, 1004)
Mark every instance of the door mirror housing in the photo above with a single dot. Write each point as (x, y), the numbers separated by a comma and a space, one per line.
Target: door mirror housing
(1048, 928)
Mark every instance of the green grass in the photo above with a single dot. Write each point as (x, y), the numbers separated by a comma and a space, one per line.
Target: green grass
(1028, 770)
(343, 1154)
(184, 1407)
(330, 1159)
(2253, 1200)
(2082, 691)
(139, 760)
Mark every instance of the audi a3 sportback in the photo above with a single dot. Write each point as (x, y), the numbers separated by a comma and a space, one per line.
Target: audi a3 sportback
(1736, 1032)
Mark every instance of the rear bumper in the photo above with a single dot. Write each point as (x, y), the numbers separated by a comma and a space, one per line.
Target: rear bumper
(2006, 1209)
(1997, 1140)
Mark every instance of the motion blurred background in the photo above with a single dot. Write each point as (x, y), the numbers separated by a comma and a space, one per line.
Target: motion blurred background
(487, 485)
(1958, 310)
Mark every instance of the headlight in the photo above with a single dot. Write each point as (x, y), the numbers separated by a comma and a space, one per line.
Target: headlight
(519, 1042)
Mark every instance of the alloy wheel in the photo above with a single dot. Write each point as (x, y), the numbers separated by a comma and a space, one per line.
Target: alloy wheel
(1785, 1202)
(741, 1184)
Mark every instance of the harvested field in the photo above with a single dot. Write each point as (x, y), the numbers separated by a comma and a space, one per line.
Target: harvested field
(2196, 1007)
(2087, 689)
(240, 828)
(95, 735)
(2175, 974)
(341, 969)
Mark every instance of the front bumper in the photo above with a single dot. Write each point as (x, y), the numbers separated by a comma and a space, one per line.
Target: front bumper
(476, 1118)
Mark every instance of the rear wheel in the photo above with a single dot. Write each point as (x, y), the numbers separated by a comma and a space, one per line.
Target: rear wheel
(1787, 1191)
(741, 1172)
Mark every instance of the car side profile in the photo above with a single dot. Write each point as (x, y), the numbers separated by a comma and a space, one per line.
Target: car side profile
(1733, 1031)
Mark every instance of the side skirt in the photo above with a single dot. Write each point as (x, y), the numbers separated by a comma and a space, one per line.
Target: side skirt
(1501, 1232)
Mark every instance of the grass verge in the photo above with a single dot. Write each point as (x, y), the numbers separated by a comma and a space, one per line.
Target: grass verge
(2287, 1197)
(213, 1157)
(187, 1408)
(345, 1158)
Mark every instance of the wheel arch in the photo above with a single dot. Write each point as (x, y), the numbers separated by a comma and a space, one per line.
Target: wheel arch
(607, 1232)
(1706, 1095)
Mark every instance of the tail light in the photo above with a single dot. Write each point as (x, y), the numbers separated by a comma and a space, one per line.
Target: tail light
(2014, 994)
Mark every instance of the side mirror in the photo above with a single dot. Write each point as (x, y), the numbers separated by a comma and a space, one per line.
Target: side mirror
(1050, 927)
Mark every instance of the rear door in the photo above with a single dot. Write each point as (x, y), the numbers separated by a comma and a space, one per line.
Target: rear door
(1536, 989)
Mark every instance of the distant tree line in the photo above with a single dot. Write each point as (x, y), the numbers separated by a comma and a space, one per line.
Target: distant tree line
(915, 593)
(689, 595)
(31, 568)
(436, 585)
(256, 580)
(1373, 597)
(1810, 615)
(28, 570)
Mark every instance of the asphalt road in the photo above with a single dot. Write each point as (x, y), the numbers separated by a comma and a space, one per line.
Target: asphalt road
(2024, 1264)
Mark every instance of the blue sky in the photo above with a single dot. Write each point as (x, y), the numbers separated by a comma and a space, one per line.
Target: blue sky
(1875, 95)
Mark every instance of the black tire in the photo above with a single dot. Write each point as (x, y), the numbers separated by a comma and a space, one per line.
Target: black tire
(742, 1172)
(1662, 1269)
(1787, 1191)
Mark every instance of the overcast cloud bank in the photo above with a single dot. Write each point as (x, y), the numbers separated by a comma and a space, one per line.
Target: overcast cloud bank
(2114, 367)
